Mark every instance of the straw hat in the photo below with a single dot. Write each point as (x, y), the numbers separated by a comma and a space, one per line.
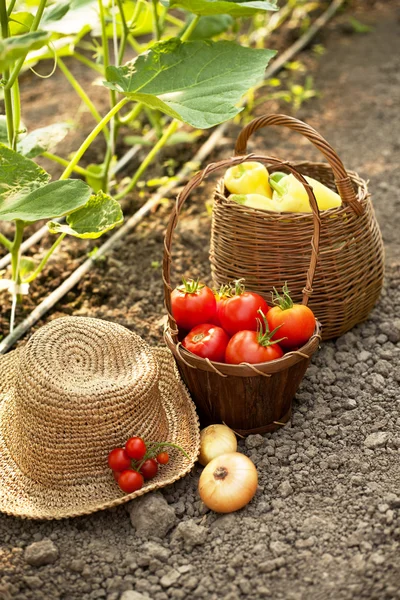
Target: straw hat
(79, 388)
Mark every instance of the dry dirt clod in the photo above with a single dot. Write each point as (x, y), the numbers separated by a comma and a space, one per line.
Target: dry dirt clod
(41, 553)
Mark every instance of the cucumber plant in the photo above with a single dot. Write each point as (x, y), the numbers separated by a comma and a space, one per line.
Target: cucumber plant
(178, 76)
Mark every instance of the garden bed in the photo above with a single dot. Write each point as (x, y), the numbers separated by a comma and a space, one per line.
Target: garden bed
(325, 520)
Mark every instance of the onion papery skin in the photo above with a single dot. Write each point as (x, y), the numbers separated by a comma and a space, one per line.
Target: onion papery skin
(228, 482)
(214, 441)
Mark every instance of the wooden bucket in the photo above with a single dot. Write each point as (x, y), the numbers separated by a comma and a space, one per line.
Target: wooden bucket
(248, 398)
(273, 249)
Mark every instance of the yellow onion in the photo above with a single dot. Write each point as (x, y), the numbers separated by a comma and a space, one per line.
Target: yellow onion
(228, 482)
(214, 441)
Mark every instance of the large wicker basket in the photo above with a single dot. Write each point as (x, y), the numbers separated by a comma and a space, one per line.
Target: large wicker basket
(248, 398)
(268, 248)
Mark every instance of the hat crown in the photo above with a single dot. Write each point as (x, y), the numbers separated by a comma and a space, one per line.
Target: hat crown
(83, 387)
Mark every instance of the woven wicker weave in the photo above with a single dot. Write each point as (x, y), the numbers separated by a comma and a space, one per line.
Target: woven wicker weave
(78, 389)
(268, 248)
(248, 398)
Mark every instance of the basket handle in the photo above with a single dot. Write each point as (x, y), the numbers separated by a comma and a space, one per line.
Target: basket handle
(193, 184)
(342, 180)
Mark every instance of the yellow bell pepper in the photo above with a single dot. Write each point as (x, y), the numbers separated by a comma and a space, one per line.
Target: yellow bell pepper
(254, 201)
(248, 178)
(290, 195)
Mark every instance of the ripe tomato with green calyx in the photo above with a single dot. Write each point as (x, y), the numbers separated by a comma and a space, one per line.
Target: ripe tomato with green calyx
(130, 481)
(208, 341)
(253, 346)
(296, 322)
(118, 460)
(149, 468)
(193, 303)
(135, 448)
(239, 312)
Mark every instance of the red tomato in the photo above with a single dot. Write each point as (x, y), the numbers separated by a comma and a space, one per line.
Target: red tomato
(118, 460)
(297, 325)
(245, 346)
(239, 312)
(116, 475)
(207, 341)
(135, 448)
(192, 304)
(130, 481)
(296, 322)
(162, 458)
(149, 468)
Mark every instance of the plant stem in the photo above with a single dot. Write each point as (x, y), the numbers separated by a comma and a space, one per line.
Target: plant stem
(173, 126)
(15, 251)
(65, 163)
(19, 64)
(92, 136)
(174, 20)
(11, 7)
(6, 75)
(190, 28)
(16, 103)
(113, 98)
(86, 61)
(9, 112)
(44, 260)
(125, 32)
(82, 94)
(132, 114)
(157, 28)
(6, 243)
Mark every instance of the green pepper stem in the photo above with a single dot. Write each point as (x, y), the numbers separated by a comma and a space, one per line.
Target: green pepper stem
(277, 187)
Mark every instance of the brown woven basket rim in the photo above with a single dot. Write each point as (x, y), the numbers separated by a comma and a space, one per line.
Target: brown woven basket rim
(177, 397)
(245, 370)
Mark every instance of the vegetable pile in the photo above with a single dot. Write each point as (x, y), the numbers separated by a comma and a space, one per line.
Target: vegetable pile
(236, 326)
(251, 185)
(137, 462)
(229, 480)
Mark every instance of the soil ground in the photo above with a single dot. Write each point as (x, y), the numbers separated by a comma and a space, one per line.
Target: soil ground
(325, 521)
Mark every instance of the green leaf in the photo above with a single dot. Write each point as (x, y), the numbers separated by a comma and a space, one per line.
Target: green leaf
(235, 8)
(43, 139)
(62, 47)
(71, 17)
(99, 215)
(199, 83)
(19, 176)
(55, 199)
(18, 46)
(20, 22)
(210, 26)
(55, 13)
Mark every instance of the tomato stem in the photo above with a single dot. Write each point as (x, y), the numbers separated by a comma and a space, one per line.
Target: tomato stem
(190, 286)
(264, 336)
(239, 286)
(284, 301)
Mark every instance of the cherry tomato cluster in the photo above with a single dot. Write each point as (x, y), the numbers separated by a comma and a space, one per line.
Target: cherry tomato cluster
(136, 462)
(237, 326)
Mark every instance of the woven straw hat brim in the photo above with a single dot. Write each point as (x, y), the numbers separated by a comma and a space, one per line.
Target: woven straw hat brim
(23, 497)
